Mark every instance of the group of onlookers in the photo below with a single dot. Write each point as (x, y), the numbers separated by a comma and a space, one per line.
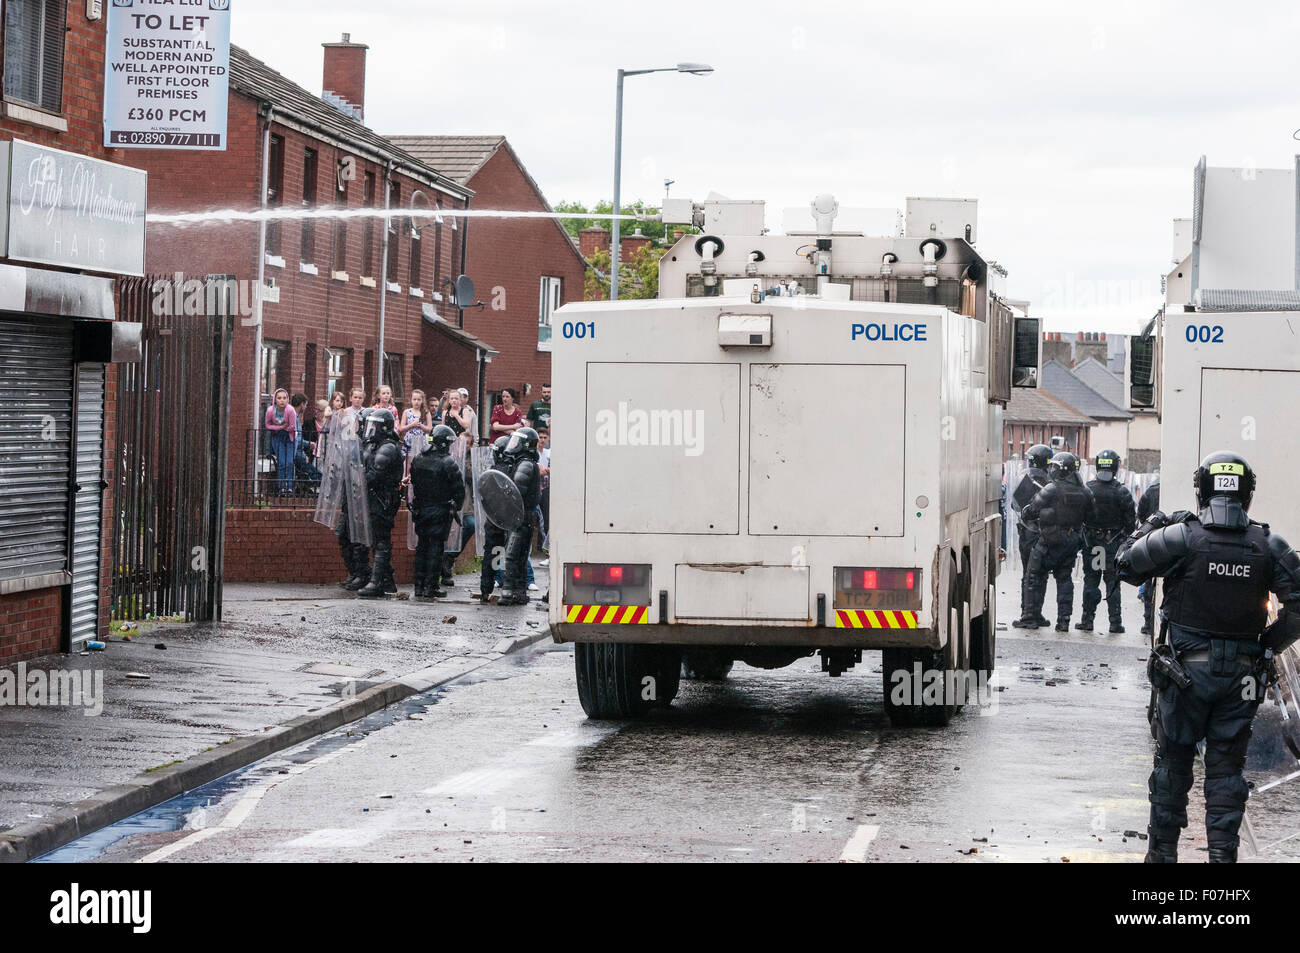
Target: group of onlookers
(299, 437)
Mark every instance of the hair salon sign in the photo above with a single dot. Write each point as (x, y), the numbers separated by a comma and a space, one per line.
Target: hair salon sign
(73, 211)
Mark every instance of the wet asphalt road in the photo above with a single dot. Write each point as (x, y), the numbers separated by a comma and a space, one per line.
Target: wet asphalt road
(787, 765)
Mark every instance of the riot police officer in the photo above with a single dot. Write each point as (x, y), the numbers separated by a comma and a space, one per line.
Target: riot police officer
(1037, 457)
(522, 455)
(1210, 666)
(1149, 503)
(439, 491)
(1061, 509)
(1114, 520)
(382, 458)
(493, 537)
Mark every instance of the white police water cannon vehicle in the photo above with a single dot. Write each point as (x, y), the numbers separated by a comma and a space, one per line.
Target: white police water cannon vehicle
(795, 450)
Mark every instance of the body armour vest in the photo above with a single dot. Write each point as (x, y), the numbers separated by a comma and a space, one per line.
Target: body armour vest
(1114, 505)
(1221, 586)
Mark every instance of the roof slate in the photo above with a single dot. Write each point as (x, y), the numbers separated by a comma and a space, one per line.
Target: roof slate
(1061, 382)
(253, 78)
(1035, 405)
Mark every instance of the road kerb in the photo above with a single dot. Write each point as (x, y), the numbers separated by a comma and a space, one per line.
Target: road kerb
(148, 789)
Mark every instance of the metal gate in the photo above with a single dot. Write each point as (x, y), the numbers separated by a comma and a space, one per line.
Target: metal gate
(172, 430)
(87, 503)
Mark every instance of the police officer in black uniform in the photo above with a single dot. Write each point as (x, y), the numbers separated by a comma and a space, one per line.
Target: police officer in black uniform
(1213, 659)
(439, 491)
(1061, 509)
(381, 456)
(1037, 457)
(493, 536)
(1149, 503)
(1115, 519)
(522, 454)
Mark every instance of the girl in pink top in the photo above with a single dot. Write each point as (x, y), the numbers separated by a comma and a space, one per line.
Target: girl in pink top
(282, 424)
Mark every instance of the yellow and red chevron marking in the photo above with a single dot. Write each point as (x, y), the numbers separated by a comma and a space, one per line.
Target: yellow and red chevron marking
(874, 619)
(616, 615)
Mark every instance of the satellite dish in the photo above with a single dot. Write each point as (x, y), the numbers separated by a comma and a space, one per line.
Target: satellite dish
(464, 292)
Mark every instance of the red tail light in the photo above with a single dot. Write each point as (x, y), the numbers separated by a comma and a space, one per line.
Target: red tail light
(869, 579)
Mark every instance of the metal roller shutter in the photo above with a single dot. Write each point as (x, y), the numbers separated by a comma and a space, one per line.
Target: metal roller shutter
(84, 607)
(36, 383)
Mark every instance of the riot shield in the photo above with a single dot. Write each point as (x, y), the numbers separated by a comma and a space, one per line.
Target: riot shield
(480, 460)
(343, 484)
(501, 502)
(455, 536)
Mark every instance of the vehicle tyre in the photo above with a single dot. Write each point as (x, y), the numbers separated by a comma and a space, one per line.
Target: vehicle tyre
(703, 665)
(983, 636)
(912, 711)
(670, 674)
(612, 678)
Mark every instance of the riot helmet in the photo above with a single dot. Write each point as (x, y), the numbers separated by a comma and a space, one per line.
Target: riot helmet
(523, 440)
(442, 437)
(1107, 465)
(499, 448)
(1063, 466)
(1038, 456)
(379, 423)
(1224, 473)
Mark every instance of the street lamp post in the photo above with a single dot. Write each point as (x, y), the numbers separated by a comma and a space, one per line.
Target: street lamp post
(697, 69)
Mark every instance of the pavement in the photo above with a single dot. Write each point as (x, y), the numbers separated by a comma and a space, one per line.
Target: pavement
(183, 704)
(785, 765)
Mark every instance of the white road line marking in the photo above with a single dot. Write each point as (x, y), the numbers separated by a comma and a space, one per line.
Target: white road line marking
(243, 807)
(477, 782)
(855, 851)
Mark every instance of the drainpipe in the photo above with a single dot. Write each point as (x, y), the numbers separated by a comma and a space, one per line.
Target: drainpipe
(480, 354)
(383, 281)
(261, 285)
(464, 243)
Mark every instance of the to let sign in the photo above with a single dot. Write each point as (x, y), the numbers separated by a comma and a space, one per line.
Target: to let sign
(74, 211)
(166, 74)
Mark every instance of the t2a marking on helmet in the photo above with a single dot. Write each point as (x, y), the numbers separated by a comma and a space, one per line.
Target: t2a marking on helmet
(1241, 570)
(889, 332)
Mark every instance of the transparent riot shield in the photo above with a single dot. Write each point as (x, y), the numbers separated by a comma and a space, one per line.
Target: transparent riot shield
(480, 462)
(456, 535)
(343, 484)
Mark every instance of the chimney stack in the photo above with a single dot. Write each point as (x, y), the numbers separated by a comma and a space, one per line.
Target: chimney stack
(345, 73)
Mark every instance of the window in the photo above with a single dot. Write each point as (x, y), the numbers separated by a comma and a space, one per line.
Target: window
(338, 362)
(394, 374)
(34, 35)
(368, 233)
(339, 258)
(275, 367)
(309, 202)
(549, 302)
(394, 201)
(275, 194)
(416, 246)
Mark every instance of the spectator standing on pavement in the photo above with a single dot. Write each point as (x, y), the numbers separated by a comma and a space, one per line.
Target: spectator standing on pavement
(414, 430)
(356, 402)
(539, 411)
(384, 400)
(471, 427)
(282, 424)
(458, 418)
(306, 476)
(544, 502)
(506, 416)
(324, 413)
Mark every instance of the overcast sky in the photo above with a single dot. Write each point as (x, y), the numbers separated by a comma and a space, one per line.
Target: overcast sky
(1077, 130)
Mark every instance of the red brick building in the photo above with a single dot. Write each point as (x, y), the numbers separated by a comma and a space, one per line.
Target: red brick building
(339, 293)
(56, 385)
(523, 269)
